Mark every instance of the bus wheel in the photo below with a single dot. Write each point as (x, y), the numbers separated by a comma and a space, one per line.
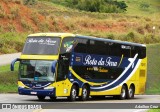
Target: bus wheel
(52, 98)
(73, 93)
(123, 94)
(131, 91)
(41, 98)
(85, 93)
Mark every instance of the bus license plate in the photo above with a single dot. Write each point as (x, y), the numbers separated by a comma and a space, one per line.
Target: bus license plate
(33, 92)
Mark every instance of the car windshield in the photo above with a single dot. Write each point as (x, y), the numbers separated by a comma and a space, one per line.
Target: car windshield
(42, 45)
(36, 70)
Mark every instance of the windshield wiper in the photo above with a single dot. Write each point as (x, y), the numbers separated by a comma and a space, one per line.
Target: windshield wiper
(43, 79)
(26, 80)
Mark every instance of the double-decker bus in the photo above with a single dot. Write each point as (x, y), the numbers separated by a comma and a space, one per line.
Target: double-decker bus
(68, 65)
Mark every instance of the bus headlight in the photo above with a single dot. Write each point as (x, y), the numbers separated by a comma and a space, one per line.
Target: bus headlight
(21, 86)
(49, 88)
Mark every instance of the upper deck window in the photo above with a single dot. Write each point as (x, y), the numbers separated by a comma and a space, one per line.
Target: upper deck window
(67, 45)
(42, 45)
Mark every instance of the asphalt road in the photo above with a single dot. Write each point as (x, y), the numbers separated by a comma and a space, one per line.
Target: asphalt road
(8, 58)
(63, 105)
(16, 98)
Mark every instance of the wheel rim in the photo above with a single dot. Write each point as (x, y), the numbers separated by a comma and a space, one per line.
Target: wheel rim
(123, 93)
(74, 93)
(84, 93)
(130, 92)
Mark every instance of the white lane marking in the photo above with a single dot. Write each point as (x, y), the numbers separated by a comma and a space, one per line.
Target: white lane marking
(141, 110)
(38, 110)
(4, 100)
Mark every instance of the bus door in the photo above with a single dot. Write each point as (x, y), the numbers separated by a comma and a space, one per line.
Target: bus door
(63, 85)
(61, 77)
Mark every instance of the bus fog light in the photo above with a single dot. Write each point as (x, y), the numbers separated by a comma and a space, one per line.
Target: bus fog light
(65, 91)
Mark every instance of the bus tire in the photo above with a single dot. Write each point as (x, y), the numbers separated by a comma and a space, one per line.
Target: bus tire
(131, 91)
(123, 94)
(85, 93)
(73, 93)
(41, 98)
(52, 98)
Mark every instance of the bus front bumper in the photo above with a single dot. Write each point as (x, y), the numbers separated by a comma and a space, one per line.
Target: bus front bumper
(36, 92)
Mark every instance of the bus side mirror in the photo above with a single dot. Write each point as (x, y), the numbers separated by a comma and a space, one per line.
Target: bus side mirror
(53, 66)
(12, 63)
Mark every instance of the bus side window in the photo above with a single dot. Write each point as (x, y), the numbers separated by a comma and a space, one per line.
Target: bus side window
(67, 45)
(61, 71)
(96, 47)
(134, 51)
(107, 49)
(115, 49)
(100, 47)
(126, 50)
(90, 47)
(81, 45)
(141, 51)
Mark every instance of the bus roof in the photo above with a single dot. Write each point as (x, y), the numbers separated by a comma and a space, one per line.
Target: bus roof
(87, 37)
(109, 40)
(52, 34)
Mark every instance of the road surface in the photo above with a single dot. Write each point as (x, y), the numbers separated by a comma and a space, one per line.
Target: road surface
(8, 58)
(16, 98)
(61, 104)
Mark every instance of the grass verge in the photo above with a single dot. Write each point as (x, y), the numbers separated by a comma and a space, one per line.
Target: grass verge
(8, 79)
(153, 110)
(153, 83)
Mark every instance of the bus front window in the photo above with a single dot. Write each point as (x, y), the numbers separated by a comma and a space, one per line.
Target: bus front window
(41, 46)
(34, 70)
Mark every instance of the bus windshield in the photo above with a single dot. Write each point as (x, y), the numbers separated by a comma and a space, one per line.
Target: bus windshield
(34, 70)
(42, 45)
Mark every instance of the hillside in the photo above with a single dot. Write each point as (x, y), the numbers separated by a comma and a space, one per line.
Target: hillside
(147, 8)
(18, 20)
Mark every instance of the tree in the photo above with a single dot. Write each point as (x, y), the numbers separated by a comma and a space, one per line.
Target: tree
(122, 5)
(108, 6)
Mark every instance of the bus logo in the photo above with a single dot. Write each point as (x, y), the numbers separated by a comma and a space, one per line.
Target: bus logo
(89, 60)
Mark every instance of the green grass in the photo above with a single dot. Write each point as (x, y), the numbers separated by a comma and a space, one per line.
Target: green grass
(8, 79)
(153, 110)
(135, 7)
(11, 42)
(153, 78)
(153, 53)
